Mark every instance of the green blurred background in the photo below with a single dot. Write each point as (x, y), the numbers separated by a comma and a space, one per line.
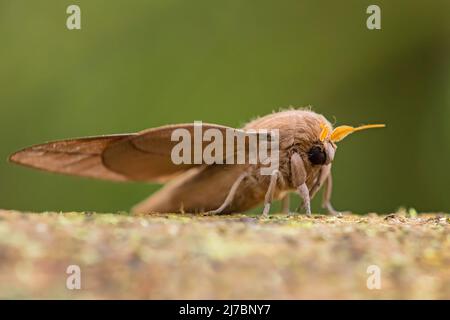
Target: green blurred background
(138, 64)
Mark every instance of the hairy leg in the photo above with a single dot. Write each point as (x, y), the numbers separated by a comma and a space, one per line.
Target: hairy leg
(270, 191)
(304, 194)
(231, 194)
(298, 176)
(325, 171)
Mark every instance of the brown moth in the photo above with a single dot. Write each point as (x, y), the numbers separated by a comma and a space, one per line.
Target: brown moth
(307, 145)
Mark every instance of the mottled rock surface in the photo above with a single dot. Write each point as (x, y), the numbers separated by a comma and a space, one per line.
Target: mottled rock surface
(227, 257)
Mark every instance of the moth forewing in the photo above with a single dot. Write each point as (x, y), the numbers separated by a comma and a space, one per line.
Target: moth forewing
(78, 157)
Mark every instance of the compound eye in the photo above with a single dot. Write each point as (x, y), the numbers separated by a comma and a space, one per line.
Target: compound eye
(317, 155)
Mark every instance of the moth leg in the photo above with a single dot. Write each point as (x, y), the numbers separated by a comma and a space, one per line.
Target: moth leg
(298, 177)
(304, 194)
(326, 202)
(285, 204)
(230, 195)
(270, 191)
(323, 175)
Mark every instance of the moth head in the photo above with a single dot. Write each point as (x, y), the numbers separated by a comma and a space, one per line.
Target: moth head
(317, 155)
(323, 153)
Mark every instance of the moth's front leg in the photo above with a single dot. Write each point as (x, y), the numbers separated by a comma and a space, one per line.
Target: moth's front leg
(325, 171)
(270, 192)
(298, 177)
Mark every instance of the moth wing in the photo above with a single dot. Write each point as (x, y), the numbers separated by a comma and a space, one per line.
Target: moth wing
(147, 156)
(79, 157)
(143, 156)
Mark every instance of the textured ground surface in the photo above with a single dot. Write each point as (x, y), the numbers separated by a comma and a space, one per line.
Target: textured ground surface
(174, 256)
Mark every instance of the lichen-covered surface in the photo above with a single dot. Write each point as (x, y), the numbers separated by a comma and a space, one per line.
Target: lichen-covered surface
(225, 257)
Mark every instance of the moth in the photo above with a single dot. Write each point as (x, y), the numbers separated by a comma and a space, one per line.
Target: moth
(306, 145)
